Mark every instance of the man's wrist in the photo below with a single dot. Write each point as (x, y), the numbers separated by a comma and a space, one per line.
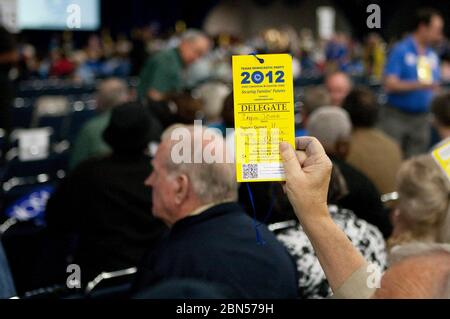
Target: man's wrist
(313, 215)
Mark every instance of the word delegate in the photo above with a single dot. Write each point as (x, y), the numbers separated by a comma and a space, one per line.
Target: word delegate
(274, 107)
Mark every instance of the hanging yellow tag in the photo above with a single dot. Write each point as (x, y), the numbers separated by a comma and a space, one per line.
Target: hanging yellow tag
(442, 157)
(264, 115)
(424, 71)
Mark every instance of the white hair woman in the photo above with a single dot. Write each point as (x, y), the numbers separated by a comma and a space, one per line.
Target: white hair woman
(422, 213)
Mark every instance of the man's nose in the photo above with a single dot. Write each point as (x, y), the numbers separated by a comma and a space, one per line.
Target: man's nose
(148, 181)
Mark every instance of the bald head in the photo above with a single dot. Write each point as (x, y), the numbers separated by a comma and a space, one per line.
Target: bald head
(213, 179)
(339, 86)
(194, 45)
(190, 171)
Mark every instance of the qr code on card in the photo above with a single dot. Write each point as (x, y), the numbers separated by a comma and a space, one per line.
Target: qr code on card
(250, 171)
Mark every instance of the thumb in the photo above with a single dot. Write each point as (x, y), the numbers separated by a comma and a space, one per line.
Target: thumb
(290, 161)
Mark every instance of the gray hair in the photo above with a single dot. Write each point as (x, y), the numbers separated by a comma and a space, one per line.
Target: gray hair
(213, 95)
(314, 98)
(192, 35)
(111, 93)
(399, 253)
(212, 182)
(329, 124)
(424, 201)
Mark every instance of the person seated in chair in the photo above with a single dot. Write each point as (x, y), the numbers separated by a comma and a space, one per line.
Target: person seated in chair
(372, 152)
(332, 127)
(104, 202)
(211, 238)
(89, 142)
(366, 238)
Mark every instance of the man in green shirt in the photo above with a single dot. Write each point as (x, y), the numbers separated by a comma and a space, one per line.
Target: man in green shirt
(89, 141)
(162, 74)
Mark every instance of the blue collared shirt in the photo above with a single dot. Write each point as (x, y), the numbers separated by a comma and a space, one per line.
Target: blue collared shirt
(402, 62)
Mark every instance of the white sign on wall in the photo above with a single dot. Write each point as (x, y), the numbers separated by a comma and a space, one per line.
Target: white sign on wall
(326, 21)
(8, 15)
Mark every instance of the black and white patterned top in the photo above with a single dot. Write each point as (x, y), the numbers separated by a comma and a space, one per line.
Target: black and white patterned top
(364, 236)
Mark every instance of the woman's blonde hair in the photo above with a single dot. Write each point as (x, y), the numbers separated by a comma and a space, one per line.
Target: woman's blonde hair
(423, 202)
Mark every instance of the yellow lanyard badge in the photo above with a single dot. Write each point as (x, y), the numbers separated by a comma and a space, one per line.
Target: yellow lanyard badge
(442, 156)
(264, 115)
(424, 71)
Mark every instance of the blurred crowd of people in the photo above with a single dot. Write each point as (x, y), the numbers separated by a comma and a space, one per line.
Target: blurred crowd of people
(124, 55)
(188, 227)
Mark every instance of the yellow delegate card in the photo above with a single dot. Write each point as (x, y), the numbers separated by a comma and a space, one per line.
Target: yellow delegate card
(424, 71)
(264, 115)
(442, 156)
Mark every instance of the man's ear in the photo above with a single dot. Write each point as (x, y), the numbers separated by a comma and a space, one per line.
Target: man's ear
(395, 216)
(182, 190)
(342, 148)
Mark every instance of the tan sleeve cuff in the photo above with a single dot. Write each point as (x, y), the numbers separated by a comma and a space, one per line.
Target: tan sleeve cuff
(355, 287)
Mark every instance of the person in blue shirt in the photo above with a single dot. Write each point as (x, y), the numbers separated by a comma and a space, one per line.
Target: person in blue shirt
(411, 77)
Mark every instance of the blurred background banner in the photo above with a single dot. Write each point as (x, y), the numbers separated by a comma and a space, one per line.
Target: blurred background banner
(55, 14)
(326, 22)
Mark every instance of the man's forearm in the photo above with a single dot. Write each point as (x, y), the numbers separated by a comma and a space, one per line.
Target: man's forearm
(337, 255)
(394, 85)
(403, 86)
(308, 174)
